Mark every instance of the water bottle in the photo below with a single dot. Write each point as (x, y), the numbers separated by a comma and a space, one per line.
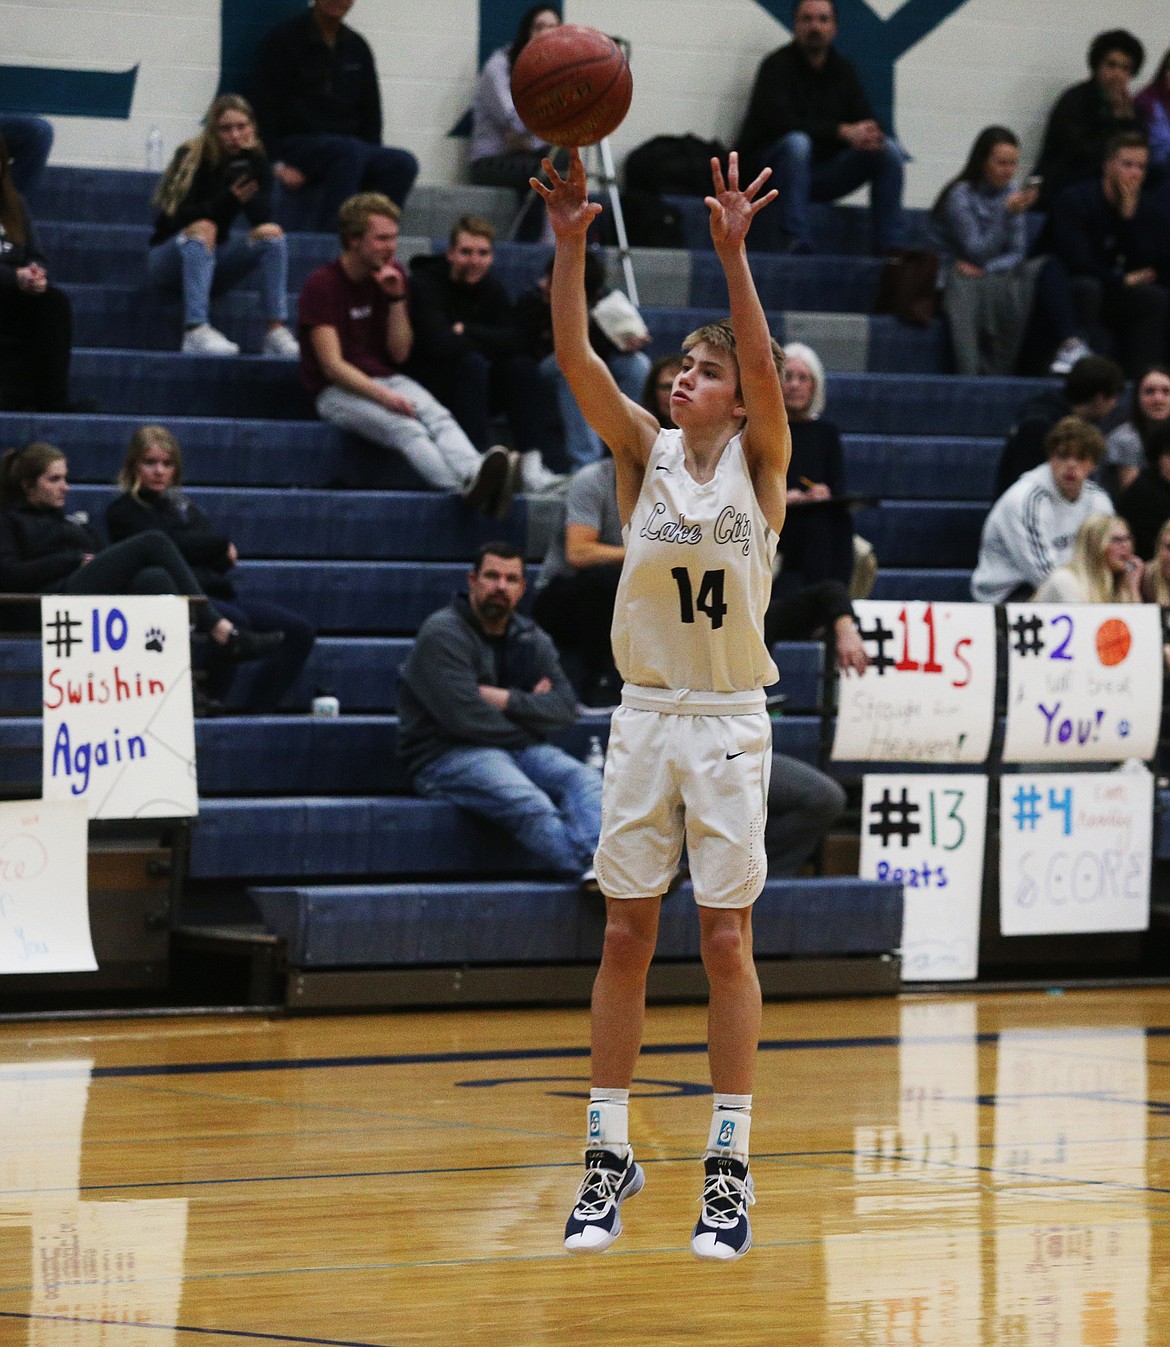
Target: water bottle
(155, 152)
(595, 757)
(325, 705)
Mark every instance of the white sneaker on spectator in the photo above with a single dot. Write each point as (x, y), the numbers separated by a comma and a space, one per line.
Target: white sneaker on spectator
(534, 476)
(281, 343)
(1067, 355)
(207, 340)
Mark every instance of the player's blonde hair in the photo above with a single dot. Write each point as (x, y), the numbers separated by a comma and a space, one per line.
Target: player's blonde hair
(721, 337)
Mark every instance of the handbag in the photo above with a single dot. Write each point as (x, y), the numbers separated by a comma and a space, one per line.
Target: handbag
(908, 287)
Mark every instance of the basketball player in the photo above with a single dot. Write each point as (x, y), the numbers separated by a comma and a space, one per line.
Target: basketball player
(691, 744)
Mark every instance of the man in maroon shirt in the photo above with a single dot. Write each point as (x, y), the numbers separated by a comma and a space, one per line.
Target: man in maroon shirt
(355, 334)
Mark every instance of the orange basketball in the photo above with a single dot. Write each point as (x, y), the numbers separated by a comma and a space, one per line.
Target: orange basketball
(1113, 641)
(572, 85)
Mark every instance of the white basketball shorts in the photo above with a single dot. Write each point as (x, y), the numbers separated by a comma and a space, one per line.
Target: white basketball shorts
(693, 766)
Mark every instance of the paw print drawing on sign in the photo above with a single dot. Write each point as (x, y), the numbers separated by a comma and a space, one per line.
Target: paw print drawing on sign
(155, 639)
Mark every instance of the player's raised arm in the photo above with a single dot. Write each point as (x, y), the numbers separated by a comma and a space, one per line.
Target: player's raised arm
(767, 441)
(628, 429)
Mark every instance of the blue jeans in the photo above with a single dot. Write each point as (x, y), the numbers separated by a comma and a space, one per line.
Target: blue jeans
(29, 140)
(183, 263)
(582, 442)
(546, 799)
(344, 165)
(273, 675)
(800, 180)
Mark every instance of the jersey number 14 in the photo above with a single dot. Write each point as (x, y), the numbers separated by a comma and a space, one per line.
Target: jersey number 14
(709, 599)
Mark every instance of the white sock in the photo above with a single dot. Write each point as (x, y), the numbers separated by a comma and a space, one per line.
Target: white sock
(607, 1121)
(731, 1126)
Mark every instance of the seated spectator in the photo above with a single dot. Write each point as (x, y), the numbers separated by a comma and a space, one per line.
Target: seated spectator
(822, 612)
(991, 288)
(627, 363)
(1153, 110)
(219, 175)
(478, 697)
(1145, 503)
(811, 122)
(504, 153)
(151, 480)
(1102, 569)
(1091, 389)
(29, 140)
(467, 347)
(1156, 586)
(817, 541)
(578, 582)
(1127, 447)
(658, 386)
(36, 320)
(320, 110)
(45, 551)
(1030, 530)
(355, 336)
(1111, 235)
(1087, 116)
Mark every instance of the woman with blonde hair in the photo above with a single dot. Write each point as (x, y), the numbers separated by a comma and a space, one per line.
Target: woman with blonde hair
(218, 175)
(1102, 569)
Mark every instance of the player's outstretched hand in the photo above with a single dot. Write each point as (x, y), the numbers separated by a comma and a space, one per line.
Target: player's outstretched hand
(733, 210)
(570, 212)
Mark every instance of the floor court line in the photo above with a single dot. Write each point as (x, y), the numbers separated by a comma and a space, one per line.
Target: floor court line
(242, 1334)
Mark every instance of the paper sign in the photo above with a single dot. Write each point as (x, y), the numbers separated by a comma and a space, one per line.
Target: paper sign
(929, 692)
(1075, 852)
(1084, 682)
(927, 833)
(44, 899)
(119, 732)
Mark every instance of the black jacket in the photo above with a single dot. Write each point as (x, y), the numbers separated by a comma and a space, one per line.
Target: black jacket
(40, 548)
(1024, 448)
(13, 255)
(1091, 238)
(1079, 125)
(306, 87)
(1145, 506)
(789, 95)
(176, 515)
(436, 302)
(439, 706)
(210, 196)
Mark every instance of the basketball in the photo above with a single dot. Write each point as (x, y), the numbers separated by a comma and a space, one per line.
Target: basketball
(572, 85)
(1113, 642)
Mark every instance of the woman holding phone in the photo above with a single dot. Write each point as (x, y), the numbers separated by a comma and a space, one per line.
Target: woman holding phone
(220, 174)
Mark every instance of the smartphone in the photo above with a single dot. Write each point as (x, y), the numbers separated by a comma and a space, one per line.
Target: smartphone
(240, 170)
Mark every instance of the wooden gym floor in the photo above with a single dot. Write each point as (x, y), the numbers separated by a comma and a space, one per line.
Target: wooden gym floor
(931, 1172)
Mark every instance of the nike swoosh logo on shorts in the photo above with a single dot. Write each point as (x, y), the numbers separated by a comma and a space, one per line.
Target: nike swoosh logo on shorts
(660, 468)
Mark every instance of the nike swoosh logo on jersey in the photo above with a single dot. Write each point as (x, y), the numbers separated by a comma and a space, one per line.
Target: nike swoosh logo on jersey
(659, 468)
(740, 754)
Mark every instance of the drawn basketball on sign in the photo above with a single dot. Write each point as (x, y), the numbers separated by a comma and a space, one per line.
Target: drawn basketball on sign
(1113, 642)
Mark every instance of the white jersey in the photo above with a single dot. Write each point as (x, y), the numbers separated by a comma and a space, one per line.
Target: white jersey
(696, 578)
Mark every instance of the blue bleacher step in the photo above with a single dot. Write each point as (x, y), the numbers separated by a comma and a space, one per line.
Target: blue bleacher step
(928, 585)
(511, 921)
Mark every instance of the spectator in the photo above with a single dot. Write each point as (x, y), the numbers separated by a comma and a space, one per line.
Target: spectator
(45, 551)
(36, 320)
(990, 285)
(820, 612)
(658, 386)
(219, 175)
(1153, 109)
(321, 111)
(810, 120)
(1156, 577)
(1127, 447)
(1090, 390)
(1145, 503)
(152, 499)
(627, 363)
(1087, 116)
(29, 140)
(355, 335)
(1102, 569)
(817, 541)
(1029, 531)
(467, 346)
(504, 153)
(478, 697)
(1112, 238)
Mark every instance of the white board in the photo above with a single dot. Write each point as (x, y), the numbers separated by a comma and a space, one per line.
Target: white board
(927, 833)
(929, 692)
(1075, 852)
(119, 732)
(1084, 682)
(44, 890)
